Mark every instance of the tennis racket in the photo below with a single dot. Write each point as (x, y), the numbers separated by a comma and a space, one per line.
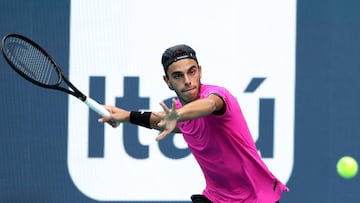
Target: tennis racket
(34, 64)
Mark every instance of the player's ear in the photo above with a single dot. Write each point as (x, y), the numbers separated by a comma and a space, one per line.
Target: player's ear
(166, 79)
(200, 71)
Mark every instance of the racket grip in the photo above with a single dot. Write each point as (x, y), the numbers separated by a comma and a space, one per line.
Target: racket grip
(101, 110)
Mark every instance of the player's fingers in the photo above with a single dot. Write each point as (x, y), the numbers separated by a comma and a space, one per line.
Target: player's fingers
(162, 135)
(163, 105)
(105, 119)
(109, 120)
(109, 108)
(173, 106)
(162, 124)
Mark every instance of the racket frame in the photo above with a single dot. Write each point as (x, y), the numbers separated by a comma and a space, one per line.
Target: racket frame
(61, 77)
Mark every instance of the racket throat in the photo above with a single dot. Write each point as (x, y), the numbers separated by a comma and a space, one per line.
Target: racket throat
(82, 98)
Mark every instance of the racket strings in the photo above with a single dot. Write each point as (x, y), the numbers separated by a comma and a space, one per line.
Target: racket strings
(32, 62)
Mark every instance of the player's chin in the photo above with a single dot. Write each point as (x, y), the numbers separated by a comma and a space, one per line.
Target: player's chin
(189, 97)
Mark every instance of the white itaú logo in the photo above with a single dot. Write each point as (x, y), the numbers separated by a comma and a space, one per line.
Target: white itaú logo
(115, 50)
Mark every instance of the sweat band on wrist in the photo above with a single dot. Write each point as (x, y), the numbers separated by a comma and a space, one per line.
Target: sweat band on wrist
(140, 118)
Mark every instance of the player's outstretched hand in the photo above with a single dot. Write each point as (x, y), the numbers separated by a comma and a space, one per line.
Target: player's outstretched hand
(168, 120)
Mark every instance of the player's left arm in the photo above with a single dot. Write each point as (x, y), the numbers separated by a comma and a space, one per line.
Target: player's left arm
(213, 104)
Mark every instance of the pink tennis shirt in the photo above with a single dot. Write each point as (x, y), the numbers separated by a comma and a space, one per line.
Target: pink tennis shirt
(227, 155)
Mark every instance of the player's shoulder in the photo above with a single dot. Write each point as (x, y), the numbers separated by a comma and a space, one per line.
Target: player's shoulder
(212, 89)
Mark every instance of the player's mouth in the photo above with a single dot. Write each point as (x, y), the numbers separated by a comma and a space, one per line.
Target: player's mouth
(188, 89)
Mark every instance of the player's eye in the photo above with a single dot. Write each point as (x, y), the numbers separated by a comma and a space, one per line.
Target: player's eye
(177, 75)
(192, 71)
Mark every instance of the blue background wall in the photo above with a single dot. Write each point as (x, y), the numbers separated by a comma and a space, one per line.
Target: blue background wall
(327, 100)
(33, 142)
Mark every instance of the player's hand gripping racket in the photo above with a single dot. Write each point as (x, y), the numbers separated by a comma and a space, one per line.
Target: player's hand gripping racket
(34, 64)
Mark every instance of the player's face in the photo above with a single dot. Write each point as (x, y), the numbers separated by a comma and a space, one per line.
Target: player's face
(184, 77)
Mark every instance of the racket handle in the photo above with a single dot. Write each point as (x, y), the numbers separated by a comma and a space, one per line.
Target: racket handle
(101, 110)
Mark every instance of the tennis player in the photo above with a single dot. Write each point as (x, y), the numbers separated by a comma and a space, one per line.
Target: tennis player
(212, 124)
